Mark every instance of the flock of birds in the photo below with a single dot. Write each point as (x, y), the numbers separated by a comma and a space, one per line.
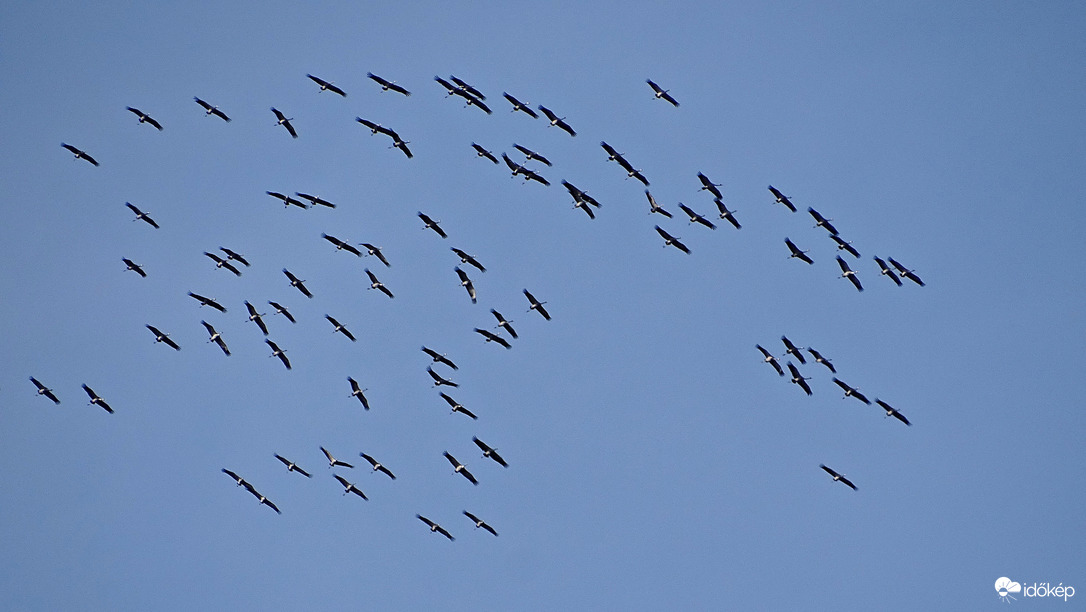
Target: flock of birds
(230, 261)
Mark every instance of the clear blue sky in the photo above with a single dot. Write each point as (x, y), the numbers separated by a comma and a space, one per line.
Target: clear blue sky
(655, 461)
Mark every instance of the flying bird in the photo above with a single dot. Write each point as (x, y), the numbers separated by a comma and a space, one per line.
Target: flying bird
(237, 479)
(212, 110)
(820, 359)
(287, 200)
(333, 462)
(907, 273)
(782, 199)
(489, 452)
(530, 155)
(503, 323)
(654, 207)
(348, 487)
(133, 266)
(770, 359)
(851, 391)
(492, 337)
(315, 200)
(632, 172)
(520, 106)
(326, 85)
(695, 217)
(796, 252)
(845, 246)
(431, 224)
(466, 283)
(890, 411)
(468, 259)
(848, 273)
(468, 88)
(821, 221)
(482, 152)
(887, 271)
(341, 246)
(457, 406)
(377, 467)
(358, 391)
(280, 309)
(401, 144)
(536, 305)
(728, 215)
(798, 379)
(838, 477)
(235, 256)
(580, 196)
(292, 467)
(671, 240)
(557, 121)
(338, 327)
(95, 399)
(79, 154)
(388, 85)
(222, 263)
(255, 317)
(480, 522)
(469, 99)
(661, 93)
(459, 468)
(43, 390)
(434, 527)
(439, 380)
(145, 118)
(140, 215)
(163, 338)
(792, 350)
(376, 284)
(278, 352)
(439, 357)
(283, 121)
(297, 283)
(263, 500)
(710, 186)
(376, 252)
(216, 337)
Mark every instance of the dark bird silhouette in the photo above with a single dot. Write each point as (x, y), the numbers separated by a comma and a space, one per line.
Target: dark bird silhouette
(532, 155)
(315, 200)
(133, 266)
(333, 462)
(792, 350)
(212, 110)
(280, 309)
(278, 352)
(457, 406)
(96, 400)
(820, 359)
(43, 390)
(907, 273)
(798, 379)
(260, 497)
(439, 357)
(163, 338)
(255, 317)
(341, 246)
(292, 467)
(376, 284)
(466, 283)
(502, 323)
(770, 359)
(287, 200)
(468, 259)
(489, 452)
(207, 302)
(327, 85)
(216, 337)
(449, 87)
(348, 487)
(377, 467)
(388, 85)
(297, 283)
(141, 216)
(851, 391)
(536, 305)
(520, 106)
(431, 224)
(401, 144)
(282, 120)
(710, 186)
(235, 256)
(782, 199)
(579, 195)
(559, 122)
(848, 273)
(821, 221)
(845, 246)
(886, 271)
(145, 118)
(528, 174)
(434, 527)
(241, 482)
(222, 263)
(375, 128)
(439, 380)
(612, 153)
(728, 215)
(492, 337)
(632, 172)
(661, 93)
(480, 522)
(838, 477)
(890, 411)
(469, 99)
(654, 207)
(467, 88)
(671, 240)
(695, 217)
(376, 252)
(359, 392)
(460, 469)
(80, 154)
(481, 152)
(338, 327)
(795, 252)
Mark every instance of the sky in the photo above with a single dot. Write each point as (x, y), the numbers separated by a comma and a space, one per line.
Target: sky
(655, 461)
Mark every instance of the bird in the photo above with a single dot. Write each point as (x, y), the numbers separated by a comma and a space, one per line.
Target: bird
(280, 309)
(795, 252)
(469, 99)
(145, 118)
(222, 263)
(907, 273)
(661, 93)
(135, 267)
(263, 500)
(348, 487)
(848, 273)
(820, 359)
(845, 246)
(520, 106)
(376, 284)
(338, 327)
(439, 380)
(401, 144)
(457, 406)
(216, 337)
(503, 323)
(671, 240)
(434, 527)
(43, 390)
(466, 283)
(480, 522)
(326, 85)
(431, 224)
(80, 154)
(695, 217)
(792, 350)
(528, 174)
(207, 302)
(163, 338)
(492, 337)
(341, 246)
(557, 121)
(612, 153)
(468, 88)
(489, 452)
(482, 152)
(530, 155)
(283, 121)
(357, 391)
(439, 357)
(278, 352)
(459, 468)
(292, 467)
(536, 305)
(333, 462)
(838, 477)
(579, 195)
(297, 283)
(377, 467)
(728, 215)
(315, 200)
(654, 207)
(387, 85)
(821, 221)
(375, 128)
(890, 411)
(449, 87)
(95, 399)
(212, 110)
(798, 379)
(887, 271)
(141, 216)
(632, 172)
(851, 391)
(782, 199)
(710, 186)
(468, 259)
(235, 256)
(376, 252)
(237, 479)
(770, 359)
(255, 317)
(287, 200)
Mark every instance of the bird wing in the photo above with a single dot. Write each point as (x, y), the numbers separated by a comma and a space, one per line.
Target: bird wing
(452, 459)
(843, 385)
(856, 282)
(861, 397)
(843, 264)
(803, 385)
(423, 518)
(830, 471)
(469, 476)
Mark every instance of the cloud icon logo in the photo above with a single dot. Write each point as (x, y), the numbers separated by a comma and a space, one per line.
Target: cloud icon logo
(1005, 586)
